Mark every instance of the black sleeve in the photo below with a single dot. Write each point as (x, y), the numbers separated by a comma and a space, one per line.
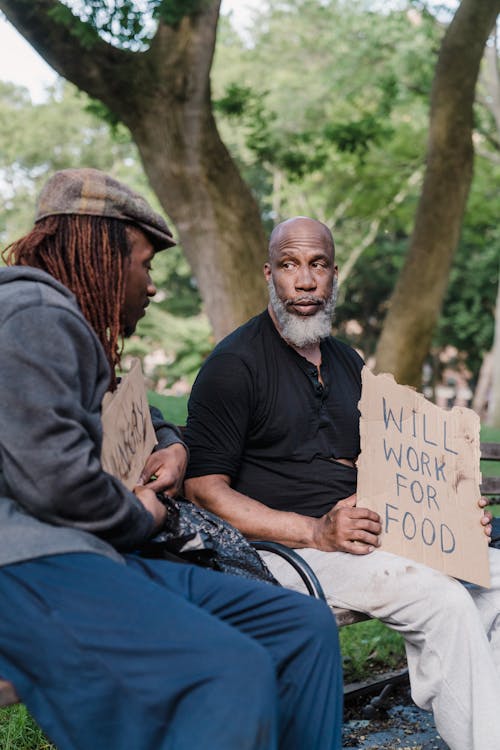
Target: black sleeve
(219, 411)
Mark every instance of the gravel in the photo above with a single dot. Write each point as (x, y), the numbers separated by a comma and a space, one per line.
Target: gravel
(400, 726)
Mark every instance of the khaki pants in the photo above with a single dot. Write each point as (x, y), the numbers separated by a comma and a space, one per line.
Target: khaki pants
(451, 632)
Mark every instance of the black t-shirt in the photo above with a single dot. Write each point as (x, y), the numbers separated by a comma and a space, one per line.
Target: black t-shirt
(259, 414)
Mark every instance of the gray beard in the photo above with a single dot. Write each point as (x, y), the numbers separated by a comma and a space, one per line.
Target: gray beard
(303, 331)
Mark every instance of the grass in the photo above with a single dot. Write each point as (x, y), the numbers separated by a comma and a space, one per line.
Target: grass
(370, 648)
(490, 435)
(173, 408)
(18, 731)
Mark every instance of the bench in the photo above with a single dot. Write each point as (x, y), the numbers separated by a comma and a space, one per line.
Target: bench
(490, 487)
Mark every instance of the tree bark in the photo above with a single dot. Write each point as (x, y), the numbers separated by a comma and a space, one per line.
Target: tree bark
(483, 387)
(494, 399)
(492, 100)
(163, 96)
(418, 296)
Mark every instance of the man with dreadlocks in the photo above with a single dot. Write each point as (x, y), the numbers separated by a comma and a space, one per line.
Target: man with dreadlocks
(110, 650)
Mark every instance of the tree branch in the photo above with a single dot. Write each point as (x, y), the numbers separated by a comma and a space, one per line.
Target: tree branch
(413, 180)
(73, 48)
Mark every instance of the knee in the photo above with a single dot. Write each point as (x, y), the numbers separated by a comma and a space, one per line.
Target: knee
(317, 615)
(452, 603)
(316, 625)
(458, 601)
(248, 668)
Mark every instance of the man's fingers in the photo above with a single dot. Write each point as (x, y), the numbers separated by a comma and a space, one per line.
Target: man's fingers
(372, 523)
(358, 548)
(359, 513)
(366, 537)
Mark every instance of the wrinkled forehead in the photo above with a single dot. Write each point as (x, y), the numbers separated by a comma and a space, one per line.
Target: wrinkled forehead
(300, 234)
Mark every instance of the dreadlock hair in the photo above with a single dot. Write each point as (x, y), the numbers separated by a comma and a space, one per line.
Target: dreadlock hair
(88, 254)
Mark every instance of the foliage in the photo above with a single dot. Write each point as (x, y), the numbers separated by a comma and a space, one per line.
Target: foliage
(37, 140)
(364, 295)
(129, 24)
(467, 321)
(178, 292)
(331, 136)
(171, 348)
(467, 318)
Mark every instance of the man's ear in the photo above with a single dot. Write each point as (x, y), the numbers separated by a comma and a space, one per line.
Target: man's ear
(267, 271)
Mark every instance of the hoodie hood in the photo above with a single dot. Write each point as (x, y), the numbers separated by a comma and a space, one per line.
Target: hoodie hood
(22, 286)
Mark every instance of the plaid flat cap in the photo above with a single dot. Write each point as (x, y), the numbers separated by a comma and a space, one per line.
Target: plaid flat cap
(91, 192)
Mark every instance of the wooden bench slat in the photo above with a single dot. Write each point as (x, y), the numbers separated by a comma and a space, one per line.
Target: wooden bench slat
(348, 616)
(490, 486)
(490, 451)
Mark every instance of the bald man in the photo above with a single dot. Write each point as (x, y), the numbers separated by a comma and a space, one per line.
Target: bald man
(273, 431)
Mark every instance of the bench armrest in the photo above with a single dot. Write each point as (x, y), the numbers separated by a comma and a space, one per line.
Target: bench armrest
(297, 562)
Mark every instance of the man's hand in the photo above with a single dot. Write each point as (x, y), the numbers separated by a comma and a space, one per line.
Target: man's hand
(486, 517)
(148, 498)
(168, 467)
(346, 528)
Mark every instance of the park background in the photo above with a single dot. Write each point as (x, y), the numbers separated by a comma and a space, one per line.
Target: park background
(381, 119)
(324, 109)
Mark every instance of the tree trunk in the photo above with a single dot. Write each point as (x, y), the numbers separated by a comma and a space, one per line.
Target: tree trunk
(163, 96)
(418, 296)
(492, 101)
(494, 396)
(483, 387)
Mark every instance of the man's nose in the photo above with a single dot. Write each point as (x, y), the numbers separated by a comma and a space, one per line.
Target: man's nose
(151, 289)
(305, 279)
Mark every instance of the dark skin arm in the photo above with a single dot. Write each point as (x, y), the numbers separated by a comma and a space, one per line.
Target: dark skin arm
(344, 528)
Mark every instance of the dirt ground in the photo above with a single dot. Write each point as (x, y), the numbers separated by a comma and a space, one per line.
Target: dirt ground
(401, 726)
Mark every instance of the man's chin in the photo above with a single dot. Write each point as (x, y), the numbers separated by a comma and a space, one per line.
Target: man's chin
(128, 331)
(304, 311)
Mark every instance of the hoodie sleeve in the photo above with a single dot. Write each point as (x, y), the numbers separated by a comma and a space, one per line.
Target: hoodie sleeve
(52, 379)
(166, 432)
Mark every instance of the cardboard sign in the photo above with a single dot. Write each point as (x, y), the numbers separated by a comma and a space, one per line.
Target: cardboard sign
(419, 470)
(129, 436)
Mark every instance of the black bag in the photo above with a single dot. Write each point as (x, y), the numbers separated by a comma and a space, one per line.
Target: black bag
(200, 537)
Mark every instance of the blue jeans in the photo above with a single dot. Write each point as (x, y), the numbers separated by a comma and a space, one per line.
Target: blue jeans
(155, 655)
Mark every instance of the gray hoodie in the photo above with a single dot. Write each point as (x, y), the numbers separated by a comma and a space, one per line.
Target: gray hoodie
(54, 495)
